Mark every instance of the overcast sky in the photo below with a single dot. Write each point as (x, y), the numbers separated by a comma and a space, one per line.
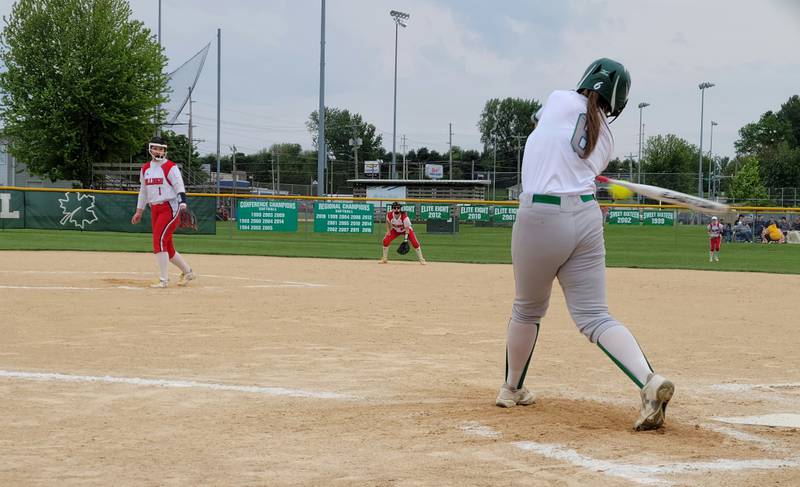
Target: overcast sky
(457, 54)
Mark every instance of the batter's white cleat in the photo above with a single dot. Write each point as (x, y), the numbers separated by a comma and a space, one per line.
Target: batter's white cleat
(422, 261)
(508, 397)
(656, 393)
(159, 284)
(184, 279)
(383, 261)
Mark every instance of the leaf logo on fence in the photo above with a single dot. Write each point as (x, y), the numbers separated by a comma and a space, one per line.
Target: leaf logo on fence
(77, 211)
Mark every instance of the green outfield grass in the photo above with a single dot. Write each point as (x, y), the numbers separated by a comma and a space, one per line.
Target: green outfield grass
(680, 247)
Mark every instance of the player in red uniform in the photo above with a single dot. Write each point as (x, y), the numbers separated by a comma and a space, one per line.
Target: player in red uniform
(715, 239)
(398, 223)
(162, 189)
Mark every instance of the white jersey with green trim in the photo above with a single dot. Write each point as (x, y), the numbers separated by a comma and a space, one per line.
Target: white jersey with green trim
(552, 163)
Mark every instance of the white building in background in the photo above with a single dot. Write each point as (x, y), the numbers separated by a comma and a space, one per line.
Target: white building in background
(6, 169)
(14, 173)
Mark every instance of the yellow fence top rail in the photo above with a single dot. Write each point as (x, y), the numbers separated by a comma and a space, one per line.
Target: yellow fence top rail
(762, 209)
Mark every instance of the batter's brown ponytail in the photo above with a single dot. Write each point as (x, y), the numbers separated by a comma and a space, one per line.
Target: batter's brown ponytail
(595, 111)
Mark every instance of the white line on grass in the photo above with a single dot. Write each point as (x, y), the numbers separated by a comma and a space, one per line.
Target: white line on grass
(174, 384)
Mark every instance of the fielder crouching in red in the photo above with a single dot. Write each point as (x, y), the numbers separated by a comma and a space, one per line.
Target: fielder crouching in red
(398, 223)
(163, 190)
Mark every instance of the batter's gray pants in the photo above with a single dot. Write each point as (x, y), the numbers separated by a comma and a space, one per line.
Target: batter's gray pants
(565, 241)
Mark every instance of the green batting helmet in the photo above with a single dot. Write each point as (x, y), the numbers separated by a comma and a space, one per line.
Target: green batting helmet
(610, 80)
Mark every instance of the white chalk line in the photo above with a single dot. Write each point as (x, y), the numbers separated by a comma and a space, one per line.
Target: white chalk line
(474, 428)
(266, 283)
(741, 435)
(134, 288)
(71, 288)
(643, 474)
(174, 384)
(779, 420)
(735, 388)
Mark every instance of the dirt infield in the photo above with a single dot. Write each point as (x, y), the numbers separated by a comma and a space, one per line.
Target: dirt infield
(269, 371)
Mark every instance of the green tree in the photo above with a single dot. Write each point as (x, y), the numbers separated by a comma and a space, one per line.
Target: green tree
(504, 121)
(340, 127)
(769, 130)
(780, 165)
(621, 168)
(746, 186)
(775, 142)
(671, 162)
(293, 165)
(81, 85)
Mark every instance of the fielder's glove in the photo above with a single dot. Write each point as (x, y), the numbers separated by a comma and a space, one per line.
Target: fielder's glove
(403, 248)
(187, 219)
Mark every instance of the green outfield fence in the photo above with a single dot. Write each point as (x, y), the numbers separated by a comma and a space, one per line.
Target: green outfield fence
(99, 210)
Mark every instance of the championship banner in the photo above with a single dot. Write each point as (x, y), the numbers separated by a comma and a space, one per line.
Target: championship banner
(658, 217)
(409, 208)
(474, 213)
(338, 217)
(504, 214)
(430, 211)
(90, 212)
(617, 216)
(266, 216)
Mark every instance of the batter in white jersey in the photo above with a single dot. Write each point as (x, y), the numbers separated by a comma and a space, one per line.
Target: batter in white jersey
(558, 234)
(161, 189)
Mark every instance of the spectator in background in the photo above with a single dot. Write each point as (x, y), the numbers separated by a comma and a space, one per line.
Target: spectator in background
(796, 224)
(784, 226)
(759, 225)
(742, 231)
(727, 232)
(772, 233)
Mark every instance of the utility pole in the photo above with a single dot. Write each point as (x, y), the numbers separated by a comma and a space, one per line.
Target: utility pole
(355, 142)
(191, 141)
(494, 176)
(272, 171)
(451, 151)
(630, 167)
(405, 166)
(233, 179)
(639, 198)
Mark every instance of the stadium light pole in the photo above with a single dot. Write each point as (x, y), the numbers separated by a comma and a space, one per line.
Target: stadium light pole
(158, 38)
(321, 149)
(702, 87)
(710, 160)
(219, 105)
(400, 19)
(641, 107)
